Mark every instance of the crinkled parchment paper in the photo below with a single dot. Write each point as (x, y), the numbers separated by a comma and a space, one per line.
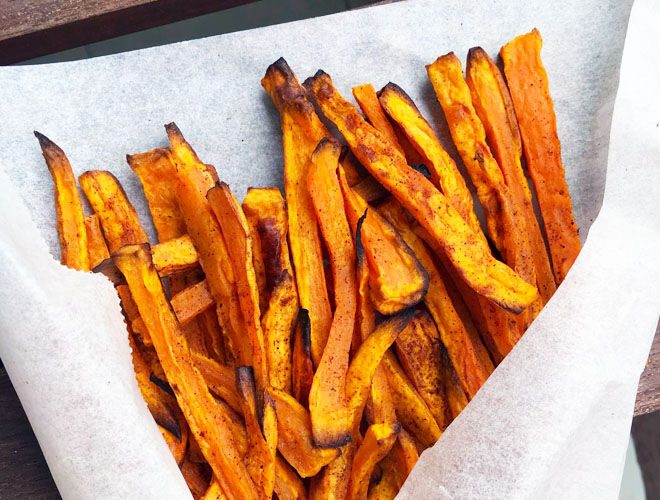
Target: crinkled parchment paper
(553, 420)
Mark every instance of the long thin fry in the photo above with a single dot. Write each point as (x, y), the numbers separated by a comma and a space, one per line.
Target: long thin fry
(327, 398)
(209, 426)
(262, 448)
(463, 246)
(366, 97)
(301, 132)
(377, 443)
(528, 83)
(236, 233)
(301, 365)
(493, 104)
(194, 181)
(70, 219)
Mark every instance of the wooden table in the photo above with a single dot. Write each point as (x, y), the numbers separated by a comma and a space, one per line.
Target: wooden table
(31, 28)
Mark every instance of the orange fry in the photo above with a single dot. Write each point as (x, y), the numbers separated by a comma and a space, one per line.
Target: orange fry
(327, 398)
(209, 426)
(192, 301)
(288, 485)
(377, 443)
(464, 247)
(96, 245)
(70, 219)
(301, 132)
(302, 366)
(528, 83)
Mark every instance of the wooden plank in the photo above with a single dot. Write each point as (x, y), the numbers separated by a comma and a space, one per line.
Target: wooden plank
(648, 393)
(646, 435)
(23, 470)
(38, 27)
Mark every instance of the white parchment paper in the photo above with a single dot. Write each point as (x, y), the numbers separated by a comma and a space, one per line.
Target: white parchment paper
(553, 420)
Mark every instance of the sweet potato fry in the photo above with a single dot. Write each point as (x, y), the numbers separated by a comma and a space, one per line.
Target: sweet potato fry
(456, 397)
(418, 350)
(214, 492)
(493, 104)
(119, 219)
(367, 359)
(70, 219)
(194, 181)
(387, 488)
(295, 443)
(366, 97)
(405, 455)
(215, 343)
(278, 324)
(327, 398)
(377, 443)
(288, 485)
(236, 233)
(463, 343)
(175, 256)
(528, 83)
(370, 190)
(506, 225)
(444, 173)
(301, 365)
(195, 477)
(157, 174)
(301, 132)
(97, 249)
(209, 426)
(265, 210)
(262, 447)
(191, 301)
(176, 445)
(332, 481)
(463, 246)
(411, 409)
(220, 380)
(396, 278)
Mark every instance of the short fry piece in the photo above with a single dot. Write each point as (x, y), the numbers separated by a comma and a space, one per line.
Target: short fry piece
(301, 132)
(295, 443)
(302, 366)
(327, 398)
(209, 426)
(367, 359)
(397, 280)
(192, 301)
(377, 443)
(157, 174)
(96, 245)
(288, 485)
(494, 106)
(119, 219)
(175, 256)
(418, 349)
(236, 233)
(466, 250)
(260, 459)
(70, 219)
(528, 83)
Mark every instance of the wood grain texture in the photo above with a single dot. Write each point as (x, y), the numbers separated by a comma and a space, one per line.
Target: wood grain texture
(646, 435)
(38, 27)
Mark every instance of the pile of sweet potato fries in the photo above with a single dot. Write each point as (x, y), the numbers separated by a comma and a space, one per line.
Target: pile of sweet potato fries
(312, 346)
